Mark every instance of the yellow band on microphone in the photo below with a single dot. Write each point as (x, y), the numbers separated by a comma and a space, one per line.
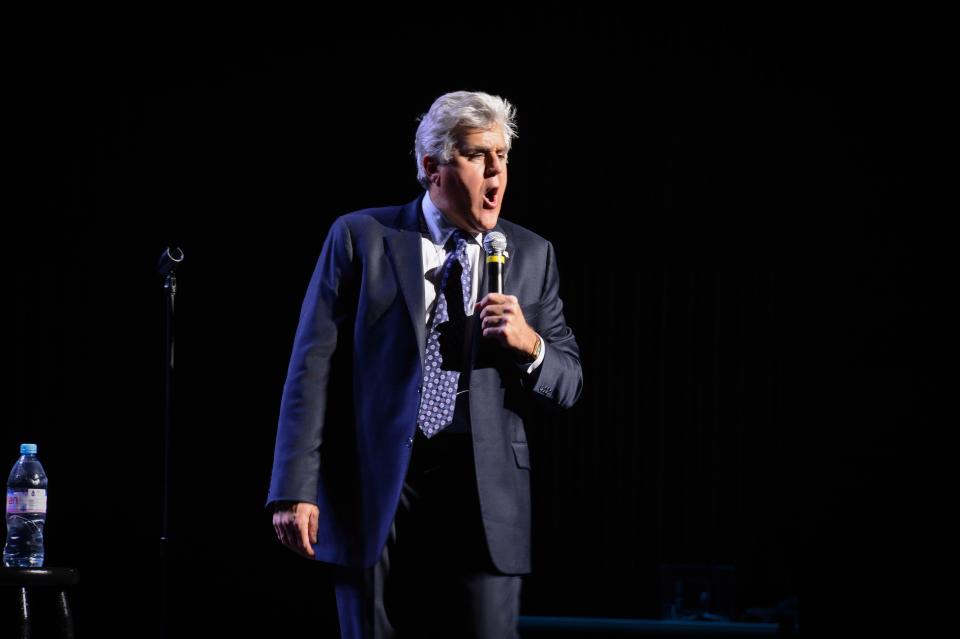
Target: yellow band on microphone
(496, 258)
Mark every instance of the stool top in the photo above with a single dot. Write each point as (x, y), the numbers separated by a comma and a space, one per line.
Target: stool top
(38, 576)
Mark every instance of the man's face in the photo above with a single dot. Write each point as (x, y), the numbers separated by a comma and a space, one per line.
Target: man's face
(469, 189)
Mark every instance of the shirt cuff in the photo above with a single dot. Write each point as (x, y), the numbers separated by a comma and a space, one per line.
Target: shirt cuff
(532, 366)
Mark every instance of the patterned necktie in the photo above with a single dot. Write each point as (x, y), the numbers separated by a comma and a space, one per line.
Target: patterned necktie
(445, 343)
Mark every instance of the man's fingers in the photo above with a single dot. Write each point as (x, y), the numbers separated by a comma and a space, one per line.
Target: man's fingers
(494, 331)
(289, 529)
(496, 310)
(304, 539)
(497, 320)
(285, 525)
(279, 527)
(297, 537)
(505, 308)
(496, 298)
(297, 528)
(302, 530)
(504, 318)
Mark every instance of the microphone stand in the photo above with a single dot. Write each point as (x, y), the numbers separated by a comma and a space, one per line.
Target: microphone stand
(167, 267)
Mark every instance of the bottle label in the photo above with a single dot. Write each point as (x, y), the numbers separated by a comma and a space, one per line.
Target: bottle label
(33, 500)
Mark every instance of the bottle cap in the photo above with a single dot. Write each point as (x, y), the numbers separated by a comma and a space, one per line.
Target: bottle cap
(28, 449)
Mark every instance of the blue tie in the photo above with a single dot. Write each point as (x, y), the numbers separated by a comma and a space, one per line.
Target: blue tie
(445, 344)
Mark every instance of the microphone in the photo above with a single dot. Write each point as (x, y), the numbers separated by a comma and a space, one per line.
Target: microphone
(168, 260)
(495, 244)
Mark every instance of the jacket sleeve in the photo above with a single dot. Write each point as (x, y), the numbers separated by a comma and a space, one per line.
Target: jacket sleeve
(326, 306)
(558, 380)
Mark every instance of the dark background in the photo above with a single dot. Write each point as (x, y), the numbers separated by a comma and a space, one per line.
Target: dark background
(736, 208)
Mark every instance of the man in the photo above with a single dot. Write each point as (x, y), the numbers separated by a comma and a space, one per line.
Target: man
(401, 453)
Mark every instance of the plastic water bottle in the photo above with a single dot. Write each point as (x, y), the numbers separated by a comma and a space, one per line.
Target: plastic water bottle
(26, 511)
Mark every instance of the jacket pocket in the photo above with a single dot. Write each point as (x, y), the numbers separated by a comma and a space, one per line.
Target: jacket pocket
(522, 454)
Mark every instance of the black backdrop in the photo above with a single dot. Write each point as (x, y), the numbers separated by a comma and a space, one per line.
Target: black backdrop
(734, 208)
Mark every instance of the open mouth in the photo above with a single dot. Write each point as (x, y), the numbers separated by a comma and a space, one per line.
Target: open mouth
(490, 197)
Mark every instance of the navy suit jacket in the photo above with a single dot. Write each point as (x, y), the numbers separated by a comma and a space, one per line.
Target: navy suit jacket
(349, 408)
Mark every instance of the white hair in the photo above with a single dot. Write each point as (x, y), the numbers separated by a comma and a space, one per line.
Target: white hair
(437, 134)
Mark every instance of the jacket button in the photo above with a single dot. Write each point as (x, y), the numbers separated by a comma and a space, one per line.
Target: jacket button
(409, 442)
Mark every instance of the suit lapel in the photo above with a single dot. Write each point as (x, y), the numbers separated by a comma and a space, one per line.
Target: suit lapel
(404, 248)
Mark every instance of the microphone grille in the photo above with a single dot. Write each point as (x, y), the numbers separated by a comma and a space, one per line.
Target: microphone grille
(494, 243)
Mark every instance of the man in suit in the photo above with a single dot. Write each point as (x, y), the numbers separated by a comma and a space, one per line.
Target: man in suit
(401, 454)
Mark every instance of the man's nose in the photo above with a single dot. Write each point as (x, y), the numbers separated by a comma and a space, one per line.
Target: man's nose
(494, 165)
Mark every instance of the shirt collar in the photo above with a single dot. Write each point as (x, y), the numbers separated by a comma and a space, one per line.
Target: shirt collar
(439, 228)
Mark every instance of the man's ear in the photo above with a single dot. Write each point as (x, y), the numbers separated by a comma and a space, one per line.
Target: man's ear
(432, 168)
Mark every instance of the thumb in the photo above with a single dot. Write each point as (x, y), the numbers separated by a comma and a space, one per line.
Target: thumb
(314, 525)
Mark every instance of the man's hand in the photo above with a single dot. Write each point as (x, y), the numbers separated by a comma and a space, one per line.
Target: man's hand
(296, 526)
(502, 319)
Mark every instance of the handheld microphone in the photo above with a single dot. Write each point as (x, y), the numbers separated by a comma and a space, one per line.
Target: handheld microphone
(495, 244)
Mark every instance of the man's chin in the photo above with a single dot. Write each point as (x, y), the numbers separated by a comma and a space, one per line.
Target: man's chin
(487, 220)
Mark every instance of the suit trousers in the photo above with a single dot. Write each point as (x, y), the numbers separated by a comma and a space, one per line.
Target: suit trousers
(435, 577)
